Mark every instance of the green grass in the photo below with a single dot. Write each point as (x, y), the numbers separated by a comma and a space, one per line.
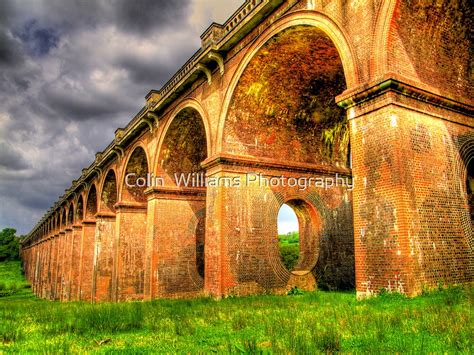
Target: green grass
(289, 249)
(12, 281)
(439, 321)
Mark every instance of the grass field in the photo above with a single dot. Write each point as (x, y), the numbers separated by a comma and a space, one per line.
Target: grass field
(439, 321)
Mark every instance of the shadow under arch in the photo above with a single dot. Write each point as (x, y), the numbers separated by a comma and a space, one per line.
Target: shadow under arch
(181, 196)
(300, 18)
(109, 192)
(91, 202)
(135, 167)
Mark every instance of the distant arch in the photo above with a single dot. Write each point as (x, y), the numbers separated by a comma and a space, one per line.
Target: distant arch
(63, 217)
(109, 192)
(79, 209)
(135, 176)
(91, 207)
(70, 215)
(184, 145)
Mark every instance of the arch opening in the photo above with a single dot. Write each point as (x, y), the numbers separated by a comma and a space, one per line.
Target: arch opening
(136, 174)
(70, 215)
(63, 218)
(284, 104)
(79, 210)
(91, 208)
(109, 192)
(183, 149)
(288, 236)
(56, 222)
(298, 247)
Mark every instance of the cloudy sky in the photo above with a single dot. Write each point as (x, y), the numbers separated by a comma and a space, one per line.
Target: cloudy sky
(71, 72)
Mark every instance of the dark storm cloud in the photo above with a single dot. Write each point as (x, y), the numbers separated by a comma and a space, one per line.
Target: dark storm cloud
(11, 159)
(144, 15)
(38, 41)
(67, 105)
(10, 49)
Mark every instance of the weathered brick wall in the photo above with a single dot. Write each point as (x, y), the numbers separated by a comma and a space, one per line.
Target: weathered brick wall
(412, 226)
(242, 236)
(76, 256)
(131, 231)
(87, 260)
(104, 285)
(176, 219)
(431, 42)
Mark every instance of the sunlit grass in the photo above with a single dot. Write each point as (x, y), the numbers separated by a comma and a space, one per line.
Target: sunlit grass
(440, 321)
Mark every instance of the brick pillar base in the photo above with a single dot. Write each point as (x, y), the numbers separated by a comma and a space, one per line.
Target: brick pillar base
(67, 265)
(410, 211)
(76, 260)
(104, 285)
(87, 260)
(177, 216)
(131, 250)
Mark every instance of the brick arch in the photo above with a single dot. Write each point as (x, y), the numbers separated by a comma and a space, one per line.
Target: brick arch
(285, 101)
(63, 217)
(300, 18)
(109, 192)
(70, 214)
(310, 221)
(56, 220)
(91, 202)
(184, 105)
(79, 210)
(137, 162)
(185, 142)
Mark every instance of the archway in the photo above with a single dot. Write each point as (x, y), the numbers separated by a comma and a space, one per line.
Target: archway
(109, 192)
(288, 236)
(184, 147)
(284, 104)
(131, 214)
(70, 215)
(105, 261)
(135, 175)
(63, 218)
(91, 208)
(79, 210)
(283, 115)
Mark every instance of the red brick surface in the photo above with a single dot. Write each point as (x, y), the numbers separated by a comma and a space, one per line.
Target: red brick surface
(404, 66)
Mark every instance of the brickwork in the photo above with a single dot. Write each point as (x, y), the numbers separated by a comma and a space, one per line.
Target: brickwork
(104, 289)
(260, 97)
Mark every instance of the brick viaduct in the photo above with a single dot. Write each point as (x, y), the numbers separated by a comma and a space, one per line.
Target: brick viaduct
(378, 91)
